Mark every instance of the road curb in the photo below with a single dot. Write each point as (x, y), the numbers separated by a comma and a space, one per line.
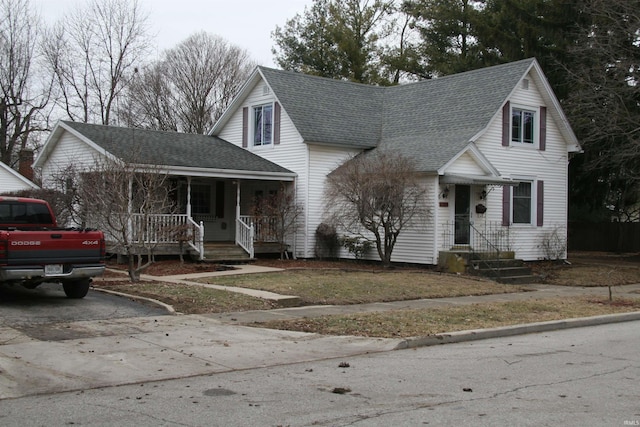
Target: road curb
(506, 331)
(167, 307)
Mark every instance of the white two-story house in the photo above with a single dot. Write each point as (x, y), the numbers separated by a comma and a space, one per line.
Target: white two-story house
(492, 146)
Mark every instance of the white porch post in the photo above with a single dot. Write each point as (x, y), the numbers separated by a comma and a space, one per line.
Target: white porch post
(188, 197)
(238, 200)
(130, 210)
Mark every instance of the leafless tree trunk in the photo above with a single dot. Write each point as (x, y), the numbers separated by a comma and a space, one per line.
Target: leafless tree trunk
(190, 87)
(24, 92)
(377, 193)
(93, 53)
(282, 213)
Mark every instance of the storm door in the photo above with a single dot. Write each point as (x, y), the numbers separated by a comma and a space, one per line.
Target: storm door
(462, 214)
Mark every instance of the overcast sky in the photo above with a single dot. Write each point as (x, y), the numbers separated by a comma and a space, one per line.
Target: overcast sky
(244, 23)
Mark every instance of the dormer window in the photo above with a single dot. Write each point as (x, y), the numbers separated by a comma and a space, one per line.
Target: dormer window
(263, 125)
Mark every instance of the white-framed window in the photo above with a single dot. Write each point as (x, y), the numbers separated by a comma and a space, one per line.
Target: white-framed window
(523, 125)
(263, 125)
(200, 199)
(522, 203)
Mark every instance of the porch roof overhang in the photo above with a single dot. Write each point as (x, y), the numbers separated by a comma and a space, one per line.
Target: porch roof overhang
(477, 180)
(222, 173)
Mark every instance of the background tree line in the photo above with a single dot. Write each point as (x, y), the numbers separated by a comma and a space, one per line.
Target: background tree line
(93, 66)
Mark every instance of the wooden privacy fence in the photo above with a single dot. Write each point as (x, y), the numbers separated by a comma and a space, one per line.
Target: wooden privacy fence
(604, 236)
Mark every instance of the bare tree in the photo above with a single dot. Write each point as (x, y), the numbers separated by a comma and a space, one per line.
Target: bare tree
(93, 52)
(24, 93)
(121, 199)
(377, 193)
(149, 102)
(189, 89)
(281, 213)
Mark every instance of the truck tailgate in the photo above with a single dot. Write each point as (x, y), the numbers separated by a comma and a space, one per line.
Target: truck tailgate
(54, 247)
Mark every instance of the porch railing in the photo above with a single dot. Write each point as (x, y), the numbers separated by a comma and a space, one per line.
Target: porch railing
(168, 229)
(488, 236)
(264, 227)
(245, 234)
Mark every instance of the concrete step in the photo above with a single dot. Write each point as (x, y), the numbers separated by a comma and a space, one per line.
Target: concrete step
(512, 271)
(229, 252)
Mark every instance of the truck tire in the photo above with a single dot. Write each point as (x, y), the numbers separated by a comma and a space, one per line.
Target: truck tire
(76, 288)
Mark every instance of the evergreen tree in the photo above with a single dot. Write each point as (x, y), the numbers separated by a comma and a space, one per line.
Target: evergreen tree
(334, 38)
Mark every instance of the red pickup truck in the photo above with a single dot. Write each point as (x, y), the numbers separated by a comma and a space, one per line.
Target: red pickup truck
(34, 250)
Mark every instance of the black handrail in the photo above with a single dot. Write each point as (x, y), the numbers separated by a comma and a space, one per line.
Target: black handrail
(479, 257)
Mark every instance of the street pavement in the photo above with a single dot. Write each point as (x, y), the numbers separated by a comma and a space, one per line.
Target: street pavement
(112, 352)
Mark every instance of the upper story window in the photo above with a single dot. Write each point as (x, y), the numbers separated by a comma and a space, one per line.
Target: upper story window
(522, 126)
(263, 125)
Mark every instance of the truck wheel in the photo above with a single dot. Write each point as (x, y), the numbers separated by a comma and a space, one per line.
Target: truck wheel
(76, 288)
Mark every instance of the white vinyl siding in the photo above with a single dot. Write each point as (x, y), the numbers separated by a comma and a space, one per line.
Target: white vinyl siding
(416, 244)
(322, 161)
(10, 182)
(70, 150)
(550, 165)
(465, 165)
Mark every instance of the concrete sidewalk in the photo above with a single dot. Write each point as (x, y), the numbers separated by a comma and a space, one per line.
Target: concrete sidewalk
(137, 350)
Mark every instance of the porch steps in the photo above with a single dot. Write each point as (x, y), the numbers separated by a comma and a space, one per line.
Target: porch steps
(511, 271)
(225, 253)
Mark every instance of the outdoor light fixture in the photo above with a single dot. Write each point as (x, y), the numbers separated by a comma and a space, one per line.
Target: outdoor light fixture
(445, 192)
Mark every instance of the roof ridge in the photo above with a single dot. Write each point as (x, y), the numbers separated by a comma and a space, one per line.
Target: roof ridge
(464, 74)
(461, 74)
(313, 76)
(172, 132)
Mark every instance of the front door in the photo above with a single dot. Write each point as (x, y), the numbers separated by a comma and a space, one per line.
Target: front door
(462, 214)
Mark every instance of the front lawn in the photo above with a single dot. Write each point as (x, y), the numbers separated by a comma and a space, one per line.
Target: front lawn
(340, 287)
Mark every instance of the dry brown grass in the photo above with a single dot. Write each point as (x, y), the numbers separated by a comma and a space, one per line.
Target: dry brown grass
(412, 323)
(340, 287)
(188, 299)
(592, 269)
(351, 283)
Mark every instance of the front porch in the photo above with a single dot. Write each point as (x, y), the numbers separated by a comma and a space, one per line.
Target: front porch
(214, 222)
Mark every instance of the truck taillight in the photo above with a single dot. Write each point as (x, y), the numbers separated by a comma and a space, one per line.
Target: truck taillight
(3, 251)
(103, 249)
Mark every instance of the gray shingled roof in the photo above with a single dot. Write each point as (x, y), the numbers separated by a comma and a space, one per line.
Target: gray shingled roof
(153, 147)
(329, 111)
(431, 120)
